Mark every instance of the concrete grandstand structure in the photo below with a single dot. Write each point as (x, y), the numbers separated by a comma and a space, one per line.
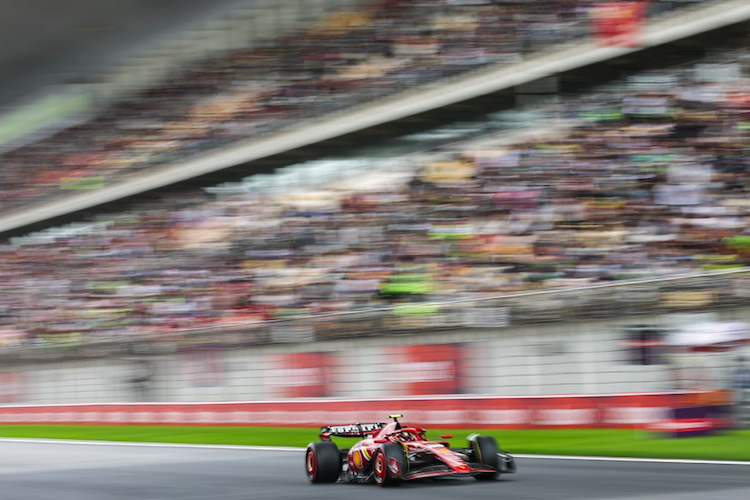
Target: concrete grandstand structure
(222, 297)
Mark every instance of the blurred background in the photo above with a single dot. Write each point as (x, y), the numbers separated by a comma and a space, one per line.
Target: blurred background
(261, 200)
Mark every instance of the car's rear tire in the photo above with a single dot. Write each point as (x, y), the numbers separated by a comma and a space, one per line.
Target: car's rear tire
(322, 462)
(485, 451)
(388, 457)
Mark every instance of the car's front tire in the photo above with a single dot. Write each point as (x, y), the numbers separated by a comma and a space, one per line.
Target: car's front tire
(322, 462)
(389, 464)
(485, 451)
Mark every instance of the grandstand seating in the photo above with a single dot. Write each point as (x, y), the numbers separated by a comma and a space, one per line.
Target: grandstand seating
(649, 180)
(351, 57)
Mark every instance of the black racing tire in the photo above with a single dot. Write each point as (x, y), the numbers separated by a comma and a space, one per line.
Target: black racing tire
(382, 473)
(322, 462)
(485, 451)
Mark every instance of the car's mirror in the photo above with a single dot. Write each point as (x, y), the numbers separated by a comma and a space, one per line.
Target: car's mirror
(446, 436)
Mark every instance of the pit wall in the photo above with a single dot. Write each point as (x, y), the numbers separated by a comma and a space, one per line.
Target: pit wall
(582, 358)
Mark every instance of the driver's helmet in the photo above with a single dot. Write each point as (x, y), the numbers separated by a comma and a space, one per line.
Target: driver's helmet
(408, 436)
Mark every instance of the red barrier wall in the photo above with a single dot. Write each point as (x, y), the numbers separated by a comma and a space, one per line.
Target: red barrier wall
(601, 411)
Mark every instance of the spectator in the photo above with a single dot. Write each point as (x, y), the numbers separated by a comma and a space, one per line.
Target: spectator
(352, 56)
(623, 193)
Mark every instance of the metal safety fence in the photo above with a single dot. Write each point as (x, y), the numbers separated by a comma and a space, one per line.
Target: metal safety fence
(602, 339)
(705, 292)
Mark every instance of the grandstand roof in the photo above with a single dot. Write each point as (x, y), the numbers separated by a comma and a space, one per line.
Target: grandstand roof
(49, 42)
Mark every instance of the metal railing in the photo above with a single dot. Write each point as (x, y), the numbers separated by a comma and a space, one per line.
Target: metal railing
(700, 292)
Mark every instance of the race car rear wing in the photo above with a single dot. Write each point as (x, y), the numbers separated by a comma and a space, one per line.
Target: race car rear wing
(352, 430)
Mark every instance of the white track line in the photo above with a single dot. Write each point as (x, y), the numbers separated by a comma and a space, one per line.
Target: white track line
(633, 459)
(148, 444)
(295, 449)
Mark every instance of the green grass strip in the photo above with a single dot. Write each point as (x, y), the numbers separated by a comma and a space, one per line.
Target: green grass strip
(734, 445)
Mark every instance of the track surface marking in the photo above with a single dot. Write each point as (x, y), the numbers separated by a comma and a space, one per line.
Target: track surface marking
(33, 470)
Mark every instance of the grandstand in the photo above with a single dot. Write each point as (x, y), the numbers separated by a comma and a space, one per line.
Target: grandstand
(571, 208)
(541, 236)
(161, 129)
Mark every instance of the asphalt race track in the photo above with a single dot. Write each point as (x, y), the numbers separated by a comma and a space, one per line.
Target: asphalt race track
(62, 471)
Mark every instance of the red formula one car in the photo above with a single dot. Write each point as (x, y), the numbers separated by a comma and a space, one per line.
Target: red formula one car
(391, 453)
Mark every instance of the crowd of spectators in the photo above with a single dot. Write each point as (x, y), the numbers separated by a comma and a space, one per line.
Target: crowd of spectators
(651, 180)
(350, 57)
